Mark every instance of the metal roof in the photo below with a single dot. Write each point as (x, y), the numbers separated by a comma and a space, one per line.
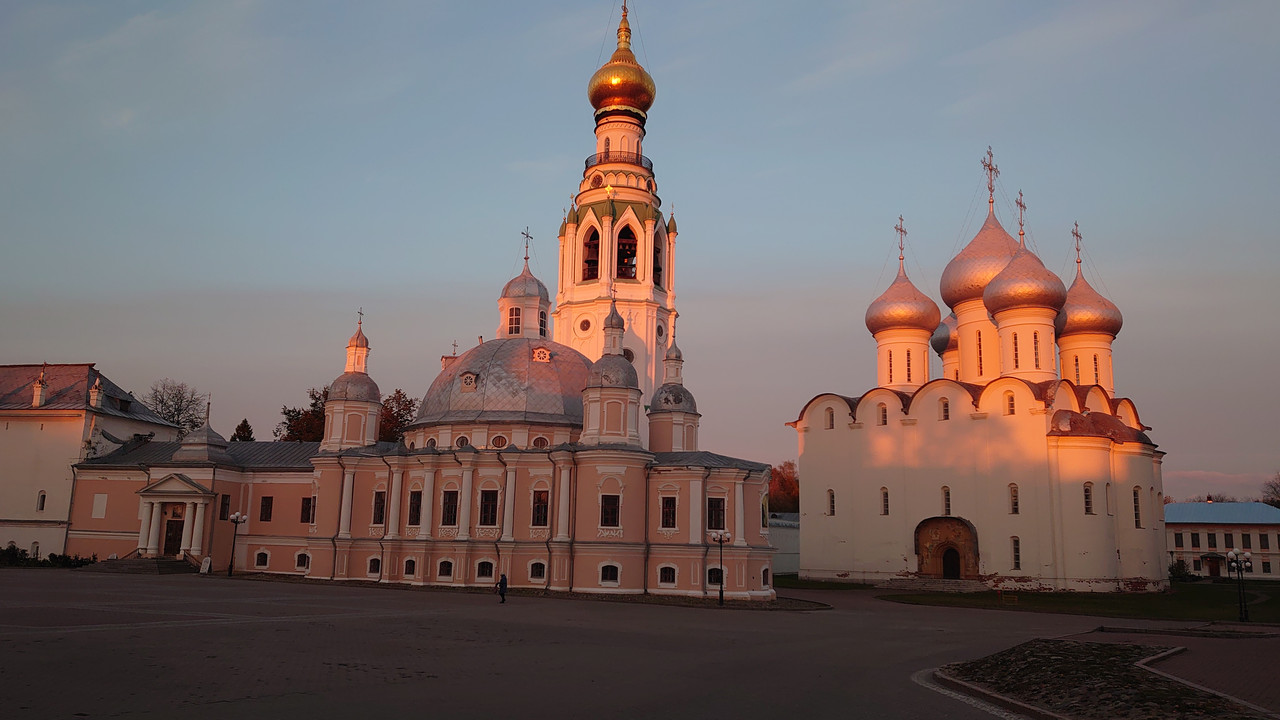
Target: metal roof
(1222, 513)
(704, 459)
(245, 455)
(68, 389)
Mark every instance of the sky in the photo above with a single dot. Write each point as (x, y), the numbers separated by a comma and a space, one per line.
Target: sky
(209, 191)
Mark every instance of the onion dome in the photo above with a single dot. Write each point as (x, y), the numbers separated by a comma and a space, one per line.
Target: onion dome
(671, 225)
(947, 336)
(621, 82)
(902, 306)
(356, 386)
(525, 285)
(673, 351)
(521, 380)
(613, 371)
(1086, 311)
(968, 273)
(1024, 282)
(613, 321)
(358, 340)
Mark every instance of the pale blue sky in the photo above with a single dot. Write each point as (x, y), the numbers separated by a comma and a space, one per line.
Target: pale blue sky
(207, 191)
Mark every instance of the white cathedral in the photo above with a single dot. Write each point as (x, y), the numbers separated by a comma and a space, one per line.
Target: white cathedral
(1019, 468)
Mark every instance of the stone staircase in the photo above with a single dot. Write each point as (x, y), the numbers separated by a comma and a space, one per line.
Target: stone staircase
(933, 585)
(142, 566)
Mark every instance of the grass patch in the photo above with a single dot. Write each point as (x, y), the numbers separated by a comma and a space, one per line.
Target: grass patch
(793, 582)
(1187, 601)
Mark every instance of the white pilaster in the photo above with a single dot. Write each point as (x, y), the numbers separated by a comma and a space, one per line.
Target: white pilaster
(464, 505)
(428, 502)
(393, 516)
(739, 519)
(696, 503)
(562, 511)
(348, 491)
(509, 504)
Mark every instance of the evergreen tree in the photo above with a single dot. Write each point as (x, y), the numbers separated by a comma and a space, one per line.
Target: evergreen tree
(243, 433)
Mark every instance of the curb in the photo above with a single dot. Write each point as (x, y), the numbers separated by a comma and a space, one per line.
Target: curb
(994, 698)
(1145, 665)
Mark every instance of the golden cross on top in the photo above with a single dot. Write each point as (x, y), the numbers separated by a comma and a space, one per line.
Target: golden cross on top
(360, 312)
(455, 348)
(902, 237)
(993, 172)
(1075, 233)
(1022, 211)
(527, 238)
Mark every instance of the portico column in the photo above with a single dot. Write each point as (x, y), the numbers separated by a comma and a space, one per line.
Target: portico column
(393, 517)
(428, 502)
(562, 512)
(739, 519)
(464, 503)
(153, 540)
(187, 523)
(509, 504)
(144, 529)
(348, 490)
(197, 531)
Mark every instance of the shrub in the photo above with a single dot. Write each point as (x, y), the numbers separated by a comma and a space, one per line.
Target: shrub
(1179, 572)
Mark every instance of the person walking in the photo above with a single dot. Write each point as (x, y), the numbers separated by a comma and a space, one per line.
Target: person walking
(502, 588)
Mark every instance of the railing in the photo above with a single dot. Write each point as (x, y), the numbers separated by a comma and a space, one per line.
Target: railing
(617, 156)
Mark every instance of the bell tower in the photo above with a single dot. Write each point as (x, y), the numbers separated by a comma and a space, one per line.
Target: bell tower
(615, 243)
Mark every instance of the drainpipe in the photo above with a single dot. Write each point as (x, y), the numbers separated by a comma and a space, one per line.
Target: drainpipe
(333, 539)
(382, 549)
(647, 470)
(573, 515)
(502, 527)
(706, 548)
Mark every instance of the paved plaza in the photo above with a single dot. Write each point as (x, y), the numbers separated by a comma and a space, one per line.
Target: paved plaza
(96, 645)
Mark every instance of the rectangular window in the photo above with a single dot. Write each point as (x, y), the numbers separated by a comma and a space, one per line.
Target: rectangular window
(1088, 499)
(489, 507)
(1013, 499)
(1137, 508)
(1213, 541)
(1228, 540)
(1246, 541)
(1266, 567)
(379, 507)
(541, 507)
(1017, 554)
(609, 505)
(1177, 540)
(415, 507)
(1195, 541)
(224, 507)
(668, 512)
(264, 508)
(449, 508)
(308, 510)
(1195, 565)
(100, 505)
(1264, 541)
(715, 513)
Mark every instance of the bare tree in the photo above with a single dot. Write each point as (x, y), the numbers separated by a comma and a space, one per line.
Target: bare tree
(1271, 491)
(179, 403)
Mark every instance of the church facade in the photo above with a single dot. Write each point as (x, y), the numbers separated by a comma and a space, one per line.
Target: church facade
(563, 454)
(1018, 468)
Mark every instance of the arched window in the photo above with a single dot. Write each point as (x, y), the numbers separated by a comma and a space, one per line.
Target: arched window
(513, 321)
(626, 254)
(764, 577)
(1137, 507)
(261, 559)
(1008, 403)
(302, 561)
(606, 148)
(375, 566)
(882, 414)
(715, 577)
(1017, 552)
(1015, 351)
(542, 323)
(1088, 498)
(1013, 498)
(591, 256)
(884, 501)
(484, 570)
(831, 502)
(908, 366)
(431, 443)
(40, 500)
(979, 353)
(35, 550)
(410, 567)
(890, 367)
(1095, 370)
(831, 419)
(657, 264)
(944, 409)
(609, 574)
(538, 571)
(446, 569)
(946, 500)
(1035, 346)
(667, 575)
(1076, 361)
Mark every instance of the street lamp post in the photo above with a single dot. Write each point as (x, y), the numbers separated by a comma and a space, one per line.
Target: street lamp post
(1238, 563)
(720, 537)
(237, 519)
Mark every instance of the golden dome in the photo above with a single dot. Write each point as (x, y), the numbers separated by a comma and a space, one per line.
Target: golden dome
(621, 82)
(967, 275)
(1024, 282)
(1086, 311)
(902, 306)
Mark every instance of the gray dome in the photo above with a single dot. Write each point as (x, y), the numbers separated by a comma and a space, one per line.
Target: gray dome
(968, 273)
(947, 336)
(1087, 311)
(614, 320)
(673, 398)
(525, 285)
(613, 371)
(673, 351)
(509, 385)
(1024, 282)
(354, 386)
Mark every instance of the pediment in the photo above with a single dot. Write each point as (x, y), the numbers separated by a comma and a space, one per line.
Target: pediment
(175, 484)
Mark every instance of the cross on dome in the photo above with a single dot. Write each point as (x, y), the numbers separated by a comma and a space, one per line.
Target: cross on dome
(902, 240)
(993, 172)
(1022, 211)
(527, 238)
(1075, 233)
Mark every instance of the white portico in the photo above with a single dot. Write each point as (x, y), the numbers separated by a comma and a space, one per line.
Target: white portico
(172, 510)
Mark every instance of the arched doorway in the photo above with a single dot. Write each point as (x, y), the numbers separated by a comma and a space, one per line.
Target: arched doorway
(951, 564)
(947, 547)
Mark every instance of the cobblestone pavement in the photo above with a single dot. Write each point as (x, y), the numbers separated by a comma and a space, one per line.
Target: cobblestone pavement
(1243, 667)
(78, 644)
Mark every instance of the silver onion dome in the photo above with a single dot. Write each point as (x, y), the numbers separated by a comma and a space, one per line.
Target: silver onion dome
(1024, 282)
(1086, 311)
(968, 273)
(902, 306)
